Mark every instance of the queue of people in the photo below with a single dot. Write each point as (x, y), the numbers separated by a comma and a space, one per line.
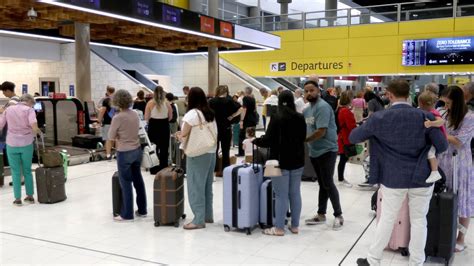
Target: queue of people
(400, 138)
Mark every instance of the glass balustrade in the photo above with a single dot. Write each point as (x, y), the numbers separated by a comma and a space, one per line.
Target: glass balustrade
(355, 16)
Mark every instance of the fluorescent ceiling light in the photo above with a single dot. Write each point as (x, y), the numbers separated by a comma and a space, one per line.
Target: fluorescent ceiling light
(66, 40)
(130, 48)
(35, 36)
(153, 24)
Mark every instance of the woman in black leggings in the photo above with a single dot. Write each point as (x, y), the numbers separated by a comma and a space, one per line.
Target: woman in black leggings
(158, 113)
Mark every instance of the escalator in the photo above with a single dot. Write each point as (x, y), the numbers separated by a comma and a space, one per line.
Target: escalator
(246, 78)
(134, 72)
(286, 83)
(268, 83)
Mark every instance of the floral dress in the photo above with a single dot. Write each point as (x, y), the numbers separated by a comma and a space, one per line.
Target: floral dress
(465, 170)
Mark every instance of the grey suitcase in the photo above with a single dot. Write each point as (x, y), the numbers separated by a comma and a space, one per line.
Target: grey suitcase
(50, 184)
(242, 196)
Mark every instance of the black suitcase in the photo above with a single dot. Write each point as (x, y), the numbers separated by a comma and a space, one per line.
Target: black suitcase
(442, 221)
(267, 205)
(2, 174)
(50, 184)
(308, 172)
(86, 141)
(168, 196)
(116, 195)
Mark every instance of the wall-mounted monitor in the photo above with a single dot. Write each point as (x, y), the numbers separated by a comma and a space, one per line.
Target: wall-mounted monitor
(171, 15)
(143, 8)
(207, 24)
(226, 29)
(87, 3)
(439, 51)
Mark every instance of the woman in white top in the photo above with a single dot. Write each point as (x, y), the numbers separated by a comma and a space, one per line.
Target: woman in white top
(200, 169)
(158, 113)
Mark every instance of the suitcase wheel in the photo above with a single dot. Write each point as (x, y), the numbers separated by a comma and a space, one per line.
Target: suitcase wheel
(226, 228)
(404, 252)
(157, 223)
(249, 231)
(176, 224)
(262, 226)
(183, 216)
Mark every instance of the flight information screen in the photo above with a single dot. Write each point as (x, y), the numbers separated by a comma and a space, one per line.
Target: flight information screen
(414, 53)
(143, 8)
(171, 15)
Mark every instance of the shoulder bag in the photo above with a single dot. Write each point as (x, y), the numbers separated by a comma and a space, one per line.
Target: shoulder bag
(201, 139)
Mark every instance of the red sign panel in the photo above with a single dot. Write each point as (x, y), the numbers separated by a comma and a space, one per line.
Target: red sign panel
(207, 24)
(226, 30)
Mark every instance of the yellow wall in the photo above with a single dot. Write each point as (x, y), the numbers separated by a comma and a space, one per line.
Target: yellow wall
(179, 3)
(359, 49)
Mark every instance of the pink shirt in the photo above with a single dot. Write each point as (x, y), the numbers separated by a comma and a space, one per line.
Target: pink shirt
(358, 102)
(437, 114)
(19, 118)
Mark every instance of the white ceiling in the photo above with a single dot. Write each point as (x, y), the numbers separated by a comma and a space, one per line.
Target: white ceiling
(296, 6)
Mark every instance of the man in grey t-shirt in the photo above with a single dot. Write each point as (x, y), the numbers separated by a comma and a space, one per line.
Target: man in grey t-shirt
(322, 144)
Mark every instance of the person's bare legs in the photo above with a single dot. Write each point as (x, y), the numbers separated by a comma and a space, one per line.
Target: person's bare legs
(464, 223)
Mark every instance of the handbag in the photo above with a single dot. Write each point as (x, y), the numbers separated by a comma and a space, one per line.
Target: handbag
(50, 158)
(350, 150)
(272, 169)
(201, 139)
(362, 154)
(149, 156)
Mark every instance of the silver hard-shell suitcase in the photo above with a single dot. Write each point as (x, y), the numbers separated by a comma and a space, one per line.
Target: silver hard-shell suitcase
(242, 196)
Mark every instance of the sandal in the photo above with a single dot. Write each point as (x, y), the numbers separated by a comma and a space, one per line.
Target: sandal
(191, 226)
(293, 230)
(272, 232)
(459, 248)
(462, 229)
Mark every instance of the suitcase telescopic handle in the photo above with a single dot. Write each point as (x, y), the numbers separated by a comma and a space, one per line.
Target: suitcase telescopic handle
(254, 159)
(37, 140)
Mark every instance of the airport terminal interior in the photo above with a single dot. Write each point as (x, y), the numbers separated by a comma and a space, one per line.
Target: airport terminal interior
(71, 56)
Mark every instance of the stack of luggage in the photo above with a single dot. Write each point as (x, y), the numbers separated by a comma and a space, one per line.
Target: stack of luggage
(51, 175)
(249, 198)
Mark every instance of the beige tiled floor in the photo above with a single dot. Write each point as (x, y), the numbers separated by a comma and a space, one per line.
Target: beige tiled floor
(81, 231)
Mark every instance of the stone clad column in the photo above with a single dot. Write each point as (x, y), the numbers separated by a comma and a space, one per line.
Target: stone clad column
(330, 12)
(213, 54)
(284, 14)
(195, 5)
(83, 61)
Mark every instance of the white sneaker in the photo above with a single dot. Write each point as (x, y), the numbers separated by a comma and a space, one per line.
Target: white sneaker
(345, 183)
(338, 223)
(434, 176)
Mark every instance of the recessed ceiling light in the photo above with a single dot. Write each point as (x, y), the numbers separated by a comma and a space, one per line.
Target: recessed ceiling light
(448, 4)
